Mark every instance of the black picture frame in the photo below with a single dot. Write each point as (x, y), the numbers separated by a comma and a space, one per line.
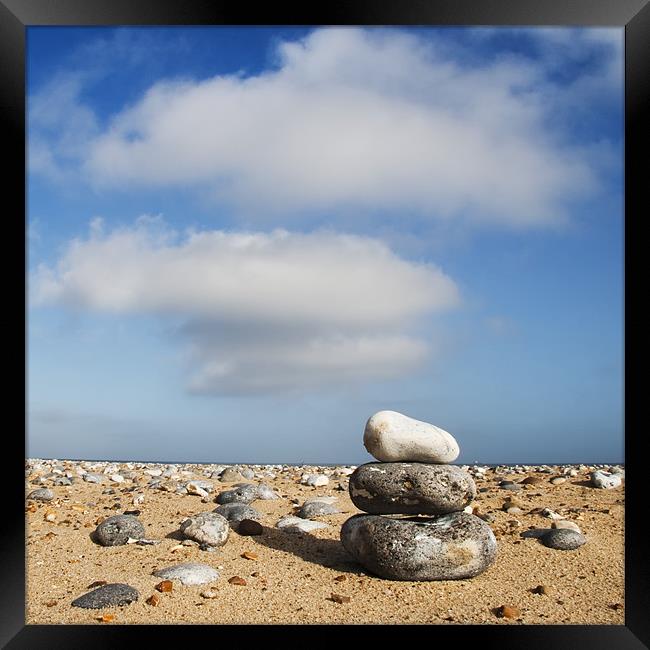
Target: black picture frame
(633, 15)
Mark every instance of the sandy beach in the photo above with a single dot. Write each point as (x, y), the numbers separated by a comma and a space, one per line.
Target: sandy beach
(290, 578)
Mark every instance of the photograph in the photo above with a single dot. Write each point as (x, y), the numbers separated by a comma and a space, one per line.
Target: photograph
(325, 325)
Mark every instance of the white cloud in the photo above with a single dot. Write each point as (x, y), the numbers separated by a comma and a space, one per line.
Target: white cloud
(355, 120)
(261, 311)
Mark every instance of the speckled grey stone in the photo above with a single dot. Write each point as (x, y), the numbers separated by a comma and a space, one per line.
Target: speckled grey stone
(245, 493)
(116, 530)
(206, 528)
(235, 512)
(189, 573)
(110, 595)
(411, 488)
(563, 539)
(42, 494)
(93, 478)
(317, 507)
(449, 547)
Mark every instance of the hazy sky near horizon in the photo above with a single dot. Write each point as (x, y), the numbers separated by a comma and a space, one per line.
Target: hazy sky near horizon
(243, 242)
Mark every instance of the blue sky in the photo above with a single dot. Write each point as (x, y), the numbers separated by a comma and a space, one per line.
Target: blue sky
(243, 242)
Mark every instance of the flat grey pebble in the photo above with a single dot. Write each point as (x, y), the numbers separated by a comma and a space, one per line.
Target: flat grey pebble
(116, 530)
(236, 512)
(450, 547)
(42, 494)
(93, 478)
(316, 508)
(206, 528)
(563, 539)
(189, 573)
(110, 595)
(298, 525)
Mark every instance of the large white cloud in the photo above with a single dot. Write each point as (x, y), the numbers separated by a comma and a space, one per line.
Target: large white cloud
(354, 120)
(260, 311)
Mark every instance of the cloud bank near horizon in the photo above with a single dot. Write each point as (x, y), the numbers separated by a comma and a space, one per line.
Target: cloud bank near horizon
(259, 312)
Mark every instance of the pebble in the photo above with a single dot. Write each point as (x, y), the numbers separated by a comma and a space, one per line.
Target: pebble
(209, 593)
(247, 472)
(509, 485)
(117, 530)
(93, 478)
(506, 611)
(246, 493)
(532, 480)
(230, 475)
(297, 524)
(605, 480)
(206, 528)
(317, 507)
(390, 436)
(314, 480)
(411, 488)
(189, 573)
(42, 494)
(449, 547)
(563, 539)
(565, 523)
(116, 478)
(153, 600)
(63, 480)
(250, 527)
(114, 594)
(236, 512)
(266, 492)
(558, 480)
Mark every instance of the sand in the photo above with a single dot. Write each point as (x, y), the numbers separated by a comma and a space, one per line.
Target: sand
(294, 576)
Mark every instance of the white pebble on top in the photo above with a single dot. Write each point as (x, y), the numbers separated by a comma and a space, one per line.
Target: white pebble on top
(393, 437)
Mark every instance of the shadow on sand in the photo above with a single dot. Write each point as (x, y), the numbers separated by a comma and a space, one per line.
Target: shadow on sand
(328, 553)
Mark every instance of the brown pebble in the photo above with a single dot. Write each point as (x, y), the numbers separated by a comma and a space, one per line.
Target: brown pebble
(164, 586)
(541, 589)
(506, 611)
(249, 556)
(250, 527)
(615, 606)
(340, 578)
(51, 603)
(337, 598)
(106, 618)
(532, 480)
(154, 599)
(237, 580)
(97, 583)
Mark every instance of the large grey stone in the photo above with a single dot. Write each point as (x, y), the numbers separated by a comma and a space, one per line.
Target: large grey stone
(111, 595)
(390, 436)
(411, 488)
(449, 547)
(116, 530)
(206, 528)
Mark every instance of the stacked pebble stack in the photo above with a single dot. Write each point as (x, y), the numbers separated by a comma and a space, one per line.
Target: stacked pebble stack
(416, 528)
